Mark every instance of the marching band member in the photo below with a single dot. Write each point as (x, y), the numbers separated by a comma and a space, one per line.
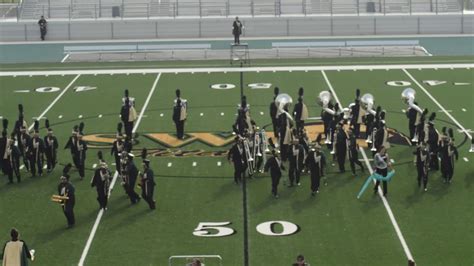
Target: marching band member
(147, 181)
(129, 176)
(300, 111)
(381, 165)
(340, 147)
(180, 114)
(241, 127)
(369, 121)
(316, 162)
(327, 115)
(273, 113)
(51, 147)
(433, 140)
(3, 144)
(10, 157)
(352, 149)
(285, 123)
(381, 134)
(244, 108)
(24, 145)
(23, 137)
(118, 147)
(421, 128)
(81, 149)
(36, 150)
(236, 154)
(101, 180)
(66, 189)
(296, 157)
(448, 152)
(16, 252)
(422, 154)
(10, 154)
(413, 119)
(275, 165)
(71, 144)
(128, 114)
(357, 114)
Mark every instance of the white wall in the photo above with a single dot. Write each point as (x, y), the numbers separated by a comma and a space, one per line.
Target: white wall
(254, 27)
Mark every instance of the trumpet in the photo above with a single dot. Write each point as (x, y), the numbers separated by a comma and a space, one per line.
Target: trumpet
(59, 198)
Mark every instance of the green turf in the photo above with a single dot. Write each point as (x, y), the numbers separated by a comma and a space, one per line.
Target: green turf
(335, 228)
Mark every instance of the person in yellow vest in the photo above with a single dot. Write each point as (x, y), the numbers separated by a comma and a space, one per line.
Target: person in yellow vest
(16, 252)
(179, 114)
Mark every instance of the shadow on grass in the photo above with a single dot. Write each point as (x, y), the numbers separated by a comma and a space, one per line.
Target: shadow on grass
(310, 201)
(469, 179)
(225, 189)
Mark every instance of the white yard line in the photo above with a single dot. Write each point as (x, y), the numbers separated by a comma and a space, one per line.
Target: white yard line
(389, 211)
(232, 69)
(439, 105)
(101, 212)
(55, 100)
(384, 200)
(331, 88)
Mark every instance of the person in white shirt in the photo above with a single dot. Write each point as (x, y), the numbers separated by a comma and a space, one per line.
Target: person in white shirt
(381, 165)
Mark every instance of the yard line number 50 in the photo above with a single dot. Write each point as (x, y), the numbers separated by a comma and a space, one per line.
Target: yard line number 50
(221, 229)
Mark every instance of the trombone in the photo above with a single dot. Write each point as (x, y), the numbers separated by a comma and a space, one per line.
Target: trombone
(249, 156)
(374, 132)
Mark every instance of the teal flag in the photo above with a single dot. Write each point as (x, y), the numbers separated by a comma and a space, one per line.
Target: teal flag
(375, 176)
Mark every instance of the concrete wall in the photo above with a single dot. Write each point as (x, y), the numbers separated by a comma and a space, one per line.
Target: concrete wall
(254, 27)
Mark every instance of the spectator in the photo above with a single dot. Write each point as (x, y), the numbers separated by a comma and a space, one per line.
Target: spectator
(195, 262)
(15, 252)
(43, 29)
(300, 261)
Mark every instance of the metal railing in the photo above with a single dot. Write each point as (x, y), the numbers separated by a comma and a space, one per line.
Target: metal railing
(199, 8)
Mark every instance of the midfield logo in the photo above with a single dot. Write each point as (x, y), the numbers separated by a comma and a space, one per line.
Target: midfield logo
(169, 145)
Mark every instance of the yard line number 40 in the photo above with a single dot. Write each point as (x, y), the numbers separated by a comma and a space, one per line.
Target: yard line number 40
(221, 229)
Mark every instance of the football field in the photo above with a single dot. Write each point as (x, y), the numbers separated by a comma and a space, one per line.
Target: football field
(195, 185)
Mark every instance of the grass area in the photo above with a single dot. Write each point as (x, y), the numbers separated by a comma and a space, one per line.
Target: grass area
(335, 228)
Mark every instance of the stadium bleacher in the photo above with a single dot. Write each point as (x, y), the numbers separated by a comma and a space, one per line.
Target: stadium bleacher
(94, 9)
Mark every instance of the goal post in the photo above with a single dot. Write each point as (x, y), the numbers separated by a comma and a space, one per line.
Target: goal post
(206, 260)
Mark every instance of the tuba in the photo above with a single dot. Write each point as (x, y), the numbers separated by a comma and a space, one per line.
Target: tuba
(324, 98)
(408, 97)
(283, 101)
(367, 103)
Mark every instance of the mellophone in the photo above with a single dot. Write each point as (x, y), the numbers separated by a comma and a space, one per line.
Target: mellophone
(59, 198)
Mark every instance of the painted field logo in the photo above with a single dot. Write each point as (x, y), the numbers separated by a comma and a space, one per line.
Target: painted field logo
(169, 145)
